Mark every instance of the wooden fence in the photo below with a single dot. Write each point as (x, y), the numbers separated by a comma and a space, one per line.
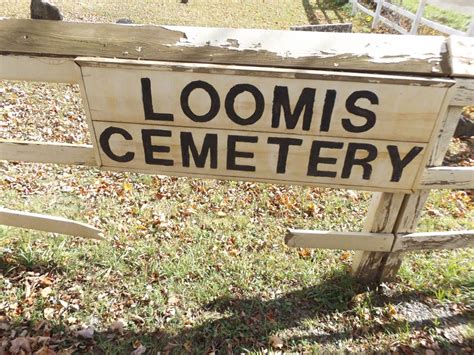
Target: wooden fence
(93, 54)
(417, 18)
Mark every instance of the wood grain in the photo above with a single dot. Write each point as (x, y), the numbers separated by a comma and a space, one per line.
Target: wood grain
(47, 223)
(435, 240)
(464, 95)
(311, 50)
(264, 160)
(446, 177)
(39, 152)
(461, 56)
(29, 68)
(369, 267)
(114, 94)
(339, 240)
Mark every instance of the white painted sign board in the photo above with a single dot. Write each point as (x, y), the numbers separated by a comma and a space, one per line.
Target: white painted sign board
(319, 128)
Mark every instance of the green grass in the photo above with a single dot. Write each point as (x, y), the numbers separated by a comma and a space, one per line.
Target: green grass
(446, 17)
(199, 265)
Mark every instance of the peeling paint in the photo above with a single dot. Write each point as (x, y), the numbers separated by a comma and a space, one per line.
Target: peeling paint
(284, 45)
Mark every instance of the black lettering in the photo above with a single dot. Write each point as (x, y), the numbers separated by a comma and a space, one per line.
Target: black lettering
(315, 159)
(284, 144)
(351, 159)
(105, 144)
(282, 99)
(230, 101)
(148, 104)
(232, 154)
(214, 96)
(329, 101)
(209, 146)
(149, 148)
(399, 164)
(356, 110)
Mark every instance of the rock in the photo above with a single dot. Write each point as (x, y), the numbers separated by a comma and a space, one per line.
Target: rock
(125, 21)
(184, 1)
(43, 10)
(465, 128)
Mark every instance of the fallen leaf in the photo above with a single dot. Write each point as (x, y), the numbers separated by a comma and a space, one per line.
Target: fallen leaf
(304, 252)
(275, 342)
(117, 327)
(48, 313)
(392, 310)
(138, 351)
(45, 281)
(173, 300)
(45, 292)
(86, 333)
(345, 255)
(20, 343)
(45, 351)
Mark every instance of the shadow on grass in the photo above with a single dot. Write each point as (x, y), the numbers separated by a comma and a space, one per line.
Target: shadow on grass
(247, 323)
(322, 314)
(322, 6)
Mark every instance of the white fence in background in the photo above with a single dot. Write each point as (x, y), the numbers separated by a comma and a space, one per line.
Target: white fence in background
(416, 19)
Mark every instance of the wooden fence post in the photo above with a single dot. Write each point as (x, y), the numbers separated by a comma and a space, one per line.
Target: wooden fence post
(354, 7)
(470, 30)
(418, 16)
(378, 10)
(399, 213)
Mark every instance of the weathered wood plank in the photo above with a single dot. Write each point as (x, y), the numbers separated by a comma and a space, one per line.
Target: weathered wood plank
(39, 152)
(114, 92)
(339, 240)
(442, 138)
(448, 178)
(371, 267)
(461, 50)
(28, 68)
(434, 240)
(261, 159)
(382, 216)
(464, 95)
(48, 224)
(311, 50)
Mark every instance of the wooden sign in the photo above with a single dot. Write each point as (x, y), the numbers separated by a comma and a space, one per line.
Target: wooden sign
(360, 131)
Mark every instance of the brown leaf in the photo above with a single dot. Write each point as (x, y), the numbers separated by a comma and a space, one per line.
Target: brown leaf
(138, 351)
(86, 333)
(20, 343)
(117, 327)
(45, 281)
(45, 351)
(275, 342)
(345, 255)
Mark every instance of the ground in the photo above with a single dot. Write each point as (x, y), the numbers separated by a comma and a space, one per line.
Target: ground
(199, 265)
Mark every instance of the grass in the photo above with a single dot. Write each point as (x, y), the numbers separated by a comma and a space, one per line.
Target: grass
(447, 17)
(199, 265)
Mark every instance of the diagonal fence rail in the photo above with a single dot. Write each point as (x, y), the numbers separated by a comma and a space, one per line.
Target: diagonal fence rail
(417, 18)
